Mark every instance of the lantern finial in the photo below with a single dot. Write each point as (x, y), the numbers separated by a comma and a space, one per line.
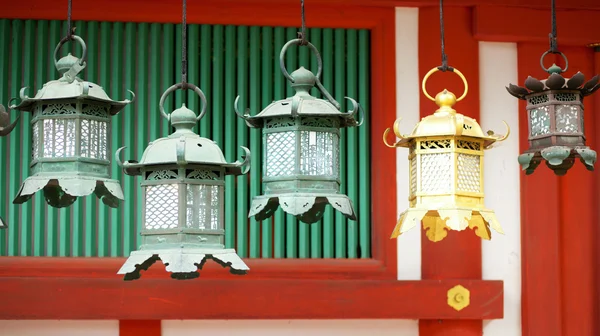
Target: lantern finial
(445, 100)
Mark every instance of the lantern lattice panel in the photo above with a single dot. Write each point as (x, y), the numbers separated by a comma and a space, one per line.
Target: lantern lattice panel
(436, 173)
(468, 173)
(161, 206)
(540, 121)
(281, 161)
(142, 57)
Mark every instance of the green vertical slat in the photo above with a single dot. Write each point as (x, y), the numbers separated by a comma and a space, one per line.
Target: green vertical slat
(352, 141)
(141, 109)
(201, 58)
(316, 229)
(291, 222)
(364, 156)
(91, 202)
(229, 141)
(242, 136)
(179, 94)
(5, 27)
(266, 98)
(52, 214)
(279, 84)
(168, 76)
(328, 218)
(26, 224)
(130, 121)
(255, 134)
(216, 99)
(340, 92)
(15, 139)
(304, 228)
(41, 68)
(116, 218)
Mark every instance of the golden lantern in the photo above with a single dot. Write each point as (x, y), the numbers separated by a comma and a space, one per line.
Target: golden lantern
(446, 170)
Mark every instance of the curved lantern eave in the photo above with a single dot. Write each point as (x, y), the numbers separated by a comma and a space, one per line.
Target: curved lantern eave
(555, 113)
(295, 177)
(183, 189)
(75, 161)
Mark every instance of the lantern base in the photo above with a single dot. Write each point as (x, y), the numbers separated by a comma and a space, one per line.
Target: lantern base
(437, 221)
(63, 191)
(558, 158)
(183, 263)
(308, 208)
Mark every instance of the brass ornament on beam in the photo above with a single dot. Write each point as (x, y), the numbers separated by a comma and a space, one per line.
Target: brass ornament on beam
(459, 297)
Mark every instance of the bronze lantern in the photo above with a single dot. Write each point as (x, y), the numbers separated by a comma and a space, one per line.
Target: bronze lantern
(555, 120)
(5, 128)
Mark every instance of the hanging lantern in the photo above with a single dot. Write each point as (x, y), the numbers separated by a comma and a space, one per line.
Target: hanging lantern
(183, 181)
(5, 128)
(70, 136)
(301, 167)
(446, 170)
(556, 124)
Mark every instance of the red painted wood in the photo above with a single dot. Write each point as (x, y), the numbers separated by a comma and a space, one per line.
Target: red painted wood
(510, 24)
(459, 254)
(596, 144)
(157, 299)
(169, 10)
(139, 328)
(578, 222)
(540, 223)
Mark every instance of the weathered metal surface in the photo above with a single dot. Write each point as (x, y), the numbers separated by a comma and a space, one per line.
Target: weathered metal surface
(446, 170)
(301, 140)
(183, 177)
(556, 122)
(241, 60)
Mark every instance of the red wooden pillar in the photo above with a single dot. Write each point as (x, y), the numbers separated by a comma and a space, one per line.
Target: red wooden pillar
(458, 256)
(139, 328)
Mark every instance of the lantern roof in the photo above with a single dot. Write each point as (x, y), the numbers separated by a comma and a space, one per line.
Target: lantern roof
(302, 104)
(446, 122)
(184, 147)
(68, 87)
(555, 82)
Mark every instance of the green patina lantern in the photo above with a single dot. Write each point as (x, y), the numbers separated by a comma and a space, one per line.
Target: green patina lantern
(5, 128)
(183, 180)
(556, 123)
(301, 134)
(71, 123)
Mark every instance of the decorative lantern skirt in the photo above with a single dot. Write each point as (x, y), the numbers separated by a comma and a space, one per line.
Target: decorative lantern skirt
(70, 138)
(183, 185)
(446, 171)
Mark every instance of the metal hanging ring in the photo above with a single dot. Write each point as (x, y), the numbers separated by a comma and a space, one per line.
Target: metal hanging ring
(65, 40)
(182, 86)
(454, 70)
(299, 42)
(561, 54)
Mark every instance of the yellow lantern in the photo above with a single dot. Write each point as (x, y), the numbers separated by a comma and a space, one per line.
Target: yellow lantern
(446, 170)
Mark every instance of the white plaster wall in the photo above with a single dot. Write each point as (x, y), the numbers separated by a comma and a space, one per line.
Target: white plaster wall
(501, 256)
(58, 328)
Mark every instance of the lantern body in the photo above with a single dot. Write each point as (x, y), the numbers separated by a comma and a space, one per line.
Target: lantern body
(71, 125)
(182, 187)
(301, 168)
(446, 174)
(183, 206)
(556, 123)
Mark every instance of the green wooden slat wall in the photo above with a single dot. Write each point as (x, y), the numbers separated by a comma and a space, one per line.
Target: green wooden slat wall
(224, 61)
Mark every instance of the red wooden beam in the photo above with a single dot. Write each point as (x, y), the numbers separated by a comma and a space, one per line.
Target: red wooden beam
(513, 24)
(158, 299)
(140, 328)
(459, 254)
